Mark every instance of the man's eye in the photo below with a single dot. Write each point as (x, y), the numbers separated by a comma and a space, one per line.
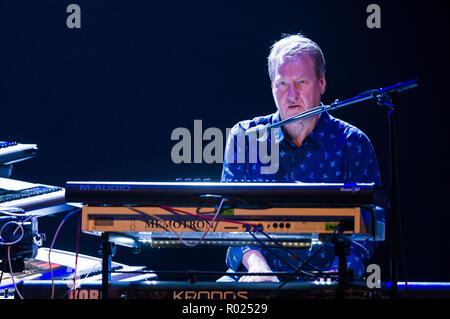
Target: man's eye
(301, 82)
(282, 86)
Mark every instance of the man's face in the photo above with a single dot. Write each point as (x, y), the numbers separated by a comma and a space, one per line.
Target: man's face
(296, 87)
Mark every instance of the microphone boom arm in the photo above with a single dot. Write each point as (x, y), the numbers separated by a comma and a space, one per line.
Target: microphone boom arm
(379, 95)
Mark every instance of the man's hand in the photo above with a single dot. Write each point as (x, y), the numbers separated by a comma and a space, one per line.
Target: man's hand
(256, 263)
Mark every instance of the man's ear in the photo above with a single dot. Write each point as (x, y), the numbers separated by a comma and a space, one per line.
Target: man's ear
(323, 84)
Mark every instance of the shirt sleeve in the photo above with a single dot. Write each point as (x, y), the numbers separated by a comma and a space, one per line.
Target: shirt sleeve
(362, 163)
(234, 256)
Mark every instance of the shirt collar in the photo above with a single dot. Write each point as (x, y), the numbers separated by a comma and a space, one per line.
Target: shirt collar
(278, 131)
(317, 134)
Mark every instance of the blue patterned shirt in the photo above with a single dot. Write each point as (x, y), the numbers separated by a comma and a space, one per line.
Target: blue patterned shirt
(333, 152)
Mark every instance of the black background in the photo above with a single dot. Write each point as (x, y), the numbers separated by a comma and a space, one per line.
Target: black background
(101, 101)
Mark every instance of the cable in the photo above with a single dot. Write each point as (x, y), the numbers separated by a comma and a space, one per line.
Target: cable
(11, 213)
(269, 249)
(168, 229)
(288, 250)
(207, 230)
(12, 275)
(9, 256)
(3, 270)
(209, 227)
(209, 218)
(149, 216)
(174, 211)
(18, 227)
(248, 225)
(76, 256)
(51, 246)
(307, 261)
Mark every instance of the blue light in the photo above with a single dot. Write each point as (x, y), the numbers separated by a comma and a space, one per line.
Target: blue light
(421, 284)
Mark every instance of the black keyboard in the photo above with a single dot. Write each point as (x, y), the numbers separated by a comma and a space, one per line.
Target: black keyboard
(7, 144)
(40, 198)
(9, 196)
(242, 195)
(13, 152)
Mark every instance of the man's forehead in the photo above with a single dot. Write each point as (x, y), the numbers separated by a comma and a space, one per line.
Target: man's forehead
(302, 61)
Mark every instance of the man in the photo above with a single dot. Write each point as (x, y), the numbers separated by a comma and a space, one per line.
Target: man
(317, 149)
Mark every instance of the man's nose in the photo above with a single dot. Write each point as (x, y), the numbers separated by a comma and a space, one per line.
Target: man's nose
(292, 94)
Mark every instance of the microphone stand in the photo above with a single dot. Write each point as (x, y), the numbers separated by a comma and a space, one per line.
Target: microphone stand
(386, 97)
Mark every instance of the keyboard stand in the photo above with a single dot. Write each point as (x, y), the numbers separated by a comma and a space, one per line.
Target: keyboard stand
(108, 250)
